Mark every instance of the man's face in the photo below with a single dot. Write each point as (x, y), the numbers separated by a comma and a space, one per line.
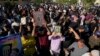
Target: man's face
(81, 44)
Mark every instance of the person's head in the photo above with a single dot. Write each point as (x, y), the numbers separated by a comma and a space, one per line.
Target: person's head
(75, 18)
(41, 31)
(25, 35)
(23, 13)
(80, 43)
(95, 52)
(40, 9)
(64, 12)
(81, 29)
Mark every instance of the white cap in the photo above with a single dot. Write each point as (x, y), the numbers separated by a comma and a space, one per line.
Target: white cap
(95, 53)
(86, 54)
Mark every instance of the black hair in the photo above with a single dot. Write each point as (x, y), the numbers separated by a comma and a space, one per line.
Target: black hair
(81, 40)
(41, 31)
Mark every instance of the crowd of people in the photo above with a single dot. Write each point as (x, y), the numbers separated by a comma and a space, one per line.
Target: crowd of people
(79, 34)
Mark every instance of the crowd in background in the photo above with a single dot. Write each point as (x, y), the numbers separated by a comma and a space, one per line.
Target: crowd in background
(80, 29)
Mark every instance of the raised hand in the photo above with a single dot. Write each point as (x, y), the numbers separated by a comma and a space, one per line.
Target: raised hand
(34, 24)
(71, 29)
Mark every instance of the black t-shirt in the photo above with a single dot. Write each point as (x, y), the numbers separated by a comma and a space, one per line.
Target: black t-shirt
(84, 35)
(74, 24)
(92, 26)
(69, 36)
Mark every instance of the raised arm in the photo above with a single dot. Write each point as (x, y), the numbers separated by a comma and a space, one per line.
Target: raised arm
(33, 31)
(48, 31)
(20, 29)
(94, 30)
(76, 35)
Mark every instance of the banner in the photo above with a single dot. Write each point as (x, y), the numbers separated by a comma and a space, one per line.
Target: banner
(57, 29)
(9, 44)
(39, 18)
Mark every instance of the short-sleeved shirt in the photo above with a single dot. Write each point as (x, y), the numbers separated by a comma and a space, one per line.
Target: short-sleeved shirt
(78, 51)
